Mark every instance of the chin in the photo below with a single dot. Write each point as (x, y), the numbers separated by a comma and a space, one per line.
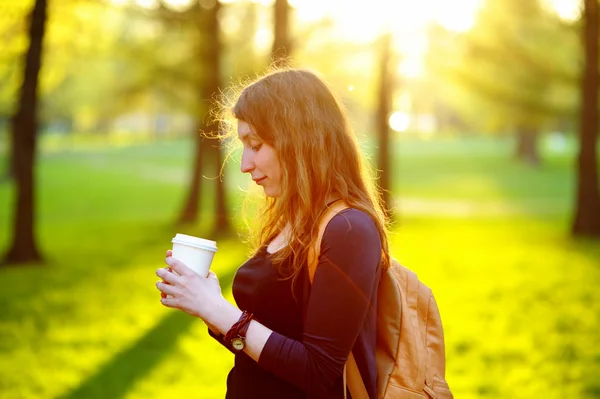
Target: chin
(269, 192)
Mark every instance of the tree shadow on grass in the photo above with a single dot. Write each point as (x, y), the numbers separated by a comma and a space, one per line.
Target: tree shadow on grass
(131, 365)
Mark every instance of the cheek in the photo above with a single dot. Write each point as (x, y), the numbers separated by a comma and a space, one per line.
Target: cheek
(270, 162)
(276, 168)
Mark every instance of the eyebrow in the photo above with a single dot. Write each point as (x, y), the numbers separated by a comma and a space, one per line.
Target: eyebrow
(248, 136)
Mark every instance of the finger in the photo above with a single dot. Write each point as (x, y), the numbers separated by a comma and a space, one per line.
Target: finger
(169, 302)
(166, 288)
(170, 271)
(169, 253)
(179, 267)
(168, 276)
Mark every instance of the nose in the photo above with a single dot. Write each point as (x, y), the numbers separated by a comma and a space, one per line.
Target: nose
(247, 164)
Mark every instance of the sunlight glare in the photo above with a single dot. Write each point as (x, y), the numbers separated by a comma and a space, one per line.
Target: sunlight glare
(261, 2)
(453, 17)
(568, 10)
(399, 121)
(263, 38)
(179, 5)
(148, 4)
(359, 22)
(411, 67)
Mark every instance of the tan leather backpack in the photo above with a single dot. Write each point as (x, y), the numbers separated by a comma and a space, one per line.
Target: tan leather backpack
(410, 353)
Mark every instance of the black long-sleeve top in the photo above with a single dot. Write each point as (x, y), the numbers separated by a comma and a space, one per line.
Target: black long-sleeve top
(314, 327)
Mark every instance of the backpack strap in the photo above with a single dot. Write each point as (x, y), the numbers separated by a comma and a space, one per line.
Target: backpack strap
(351, 375)
(313, 253)
(417, 299)
(353, 380)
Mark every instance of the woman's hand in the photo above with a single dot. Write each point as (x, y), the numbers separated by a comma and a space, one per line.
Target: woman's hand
(188, 291)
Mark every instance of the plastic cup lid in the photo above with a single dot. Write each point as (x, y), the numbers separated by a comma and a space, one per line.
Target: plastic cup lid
(195, 242)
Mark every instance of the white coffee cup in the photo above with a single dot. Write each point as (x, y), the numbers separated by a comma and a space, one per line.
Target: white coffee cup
(196, 253)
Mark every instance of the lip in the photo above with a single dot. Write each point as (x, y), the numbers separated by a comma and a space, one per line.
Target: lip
(257, 181)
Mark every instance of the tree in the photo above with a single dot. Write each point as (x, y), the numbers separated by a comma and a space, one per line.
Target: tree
(282, 44)
(240, 56)
(587, 211)
(515, 60)
(13, 28)
(213, 84)
(24, 132)
(207, 147)
(384, 105)
(185, 63)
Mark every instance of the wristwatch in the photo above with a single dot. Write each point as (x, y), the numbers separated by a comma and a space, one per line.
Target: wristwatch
(236, 336)
(239, 341)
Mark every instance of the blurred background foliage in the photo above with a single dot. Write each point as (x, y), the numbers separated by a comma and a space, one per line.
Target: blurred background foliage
(477, 115)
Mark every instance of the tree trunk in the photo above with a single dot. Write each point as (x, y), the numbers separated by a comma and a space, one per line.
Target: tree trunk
(208, 147)
(190, 209)
(282, 46)
(527, 146)
(222, 225)
(384, 105)
(24, 130)
(587, 211)
(11, 166)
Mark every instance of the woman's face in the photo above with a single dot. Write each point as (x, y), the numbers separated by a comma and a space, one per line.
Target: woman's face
(260, 161)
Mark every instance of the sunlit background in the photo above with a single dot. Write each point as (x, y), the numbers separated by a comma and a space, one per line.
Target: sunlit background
(479, 100)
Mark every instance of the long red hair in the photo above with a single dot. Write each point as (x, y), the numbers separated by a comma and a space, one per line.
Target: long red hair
(295, 112)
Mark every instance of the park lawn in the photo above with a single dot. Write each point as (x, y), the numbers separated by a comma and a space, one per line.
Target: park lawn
(520, 300)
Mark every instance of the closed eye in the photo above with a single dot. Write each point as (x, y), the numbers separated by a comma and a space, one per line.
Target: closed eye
(256, 148)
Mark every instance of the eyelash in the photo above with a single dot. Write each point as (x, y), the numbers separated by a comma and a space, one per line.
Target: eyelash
(256, 148)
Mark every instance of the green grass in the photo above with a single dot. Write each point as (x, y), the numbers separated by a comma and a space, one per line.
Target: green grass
(520, 300)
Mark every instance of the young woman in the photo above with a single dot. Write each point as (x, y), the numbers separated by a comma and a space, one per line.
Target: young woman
(291, 337)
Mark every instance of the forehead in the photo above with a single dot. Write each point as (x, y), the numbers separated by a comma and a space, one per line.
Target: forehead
(244, 131)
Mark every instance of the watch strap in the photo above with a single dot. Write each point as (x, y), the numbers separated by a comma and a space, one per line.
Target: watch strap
(239, 329)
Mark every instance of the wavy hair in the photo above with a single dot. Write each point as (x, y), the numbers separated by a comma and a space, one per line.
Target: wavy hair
(295, 112)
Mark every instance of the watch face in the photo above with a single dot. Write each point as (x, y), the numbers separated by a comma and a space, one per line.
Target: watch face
(237, 343)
